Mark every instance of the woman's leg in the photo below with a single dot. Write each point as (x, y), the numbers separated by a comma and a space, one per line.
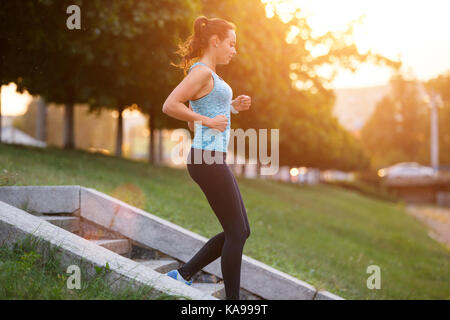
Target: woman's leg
(221, 191)
(213, 248)
(210, 251)
(243, 211)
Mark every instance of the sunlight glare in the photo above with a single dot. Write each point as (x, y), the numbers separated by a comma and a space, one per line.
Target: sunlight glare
(14, 103)
(417, 31)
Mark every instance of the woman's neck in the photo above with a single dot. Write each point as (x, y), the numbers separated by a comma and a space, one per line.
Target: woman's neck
(209, 61)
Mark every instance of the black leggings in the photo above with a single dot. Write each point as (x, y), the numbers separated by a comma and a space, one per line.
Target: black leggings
(220, 188)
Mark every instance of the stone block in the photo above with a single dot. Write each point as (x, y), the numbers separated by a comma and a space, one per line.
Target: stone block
(16, 225)
(42, 199)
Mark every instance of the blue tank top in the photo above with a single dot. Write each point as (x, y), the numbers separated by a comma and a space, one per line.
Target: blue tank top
(215, 103)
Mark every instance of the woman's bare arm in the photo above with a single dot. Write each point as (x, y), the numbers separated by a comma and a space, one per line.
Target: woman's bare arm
(191, 123)
(175, 107)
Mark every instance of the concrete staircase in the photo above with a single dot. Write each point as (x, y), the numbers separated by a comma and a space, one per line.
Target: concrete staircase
(144, 240)
(147, 257)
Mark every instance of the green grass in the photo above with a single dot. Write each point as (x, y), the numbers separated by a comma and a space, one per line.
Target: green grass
(375, 191)
(25, 274)
(324, 235)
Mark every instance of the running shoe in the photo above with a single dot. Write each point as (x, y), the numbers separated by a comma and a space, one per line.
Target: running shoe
(177, 276)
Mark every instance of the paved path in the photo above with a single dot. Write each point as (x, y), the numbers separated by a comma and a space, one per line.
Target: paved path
(437, 219)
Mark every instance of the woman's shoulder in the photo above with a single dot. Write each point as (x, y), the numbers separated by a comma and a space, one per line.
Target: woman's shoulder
(200, 66)
(200, 74)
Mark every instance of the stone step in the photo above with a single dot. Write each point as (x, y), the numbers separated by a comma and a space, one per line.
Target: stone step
(68, 223)
(90, 231)
(162, 265)
(119, 246)
(215, 289)
(17, 225)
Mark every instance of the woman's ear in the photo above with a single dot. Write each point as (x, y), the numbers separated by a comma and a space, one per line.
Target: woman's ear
(215, 41)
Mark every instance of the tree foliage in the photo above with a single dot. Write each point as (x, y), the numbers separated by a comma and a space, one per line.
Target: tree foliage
(118, 58)
(399, 128)
(271, 59)
(122, 54)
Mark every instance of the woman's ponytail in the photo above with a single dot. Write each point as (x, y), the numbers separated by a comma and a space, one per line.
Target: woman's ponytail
(197, 43)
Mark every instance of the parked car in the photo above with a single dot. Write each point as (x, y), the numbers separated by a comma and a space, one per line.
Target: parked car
(406, 170)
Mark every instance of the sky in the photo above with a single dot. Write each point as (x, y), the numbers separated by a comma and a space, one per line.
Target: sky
(417, 31)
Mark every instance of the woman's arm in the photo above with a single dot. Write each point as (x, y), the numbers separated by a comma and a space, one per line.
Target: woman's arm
(232, 106)
(191, 123)
(174, 105)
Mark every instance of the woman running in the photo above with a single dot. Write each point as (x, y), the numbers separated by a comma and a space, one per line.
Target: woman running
(208, 115)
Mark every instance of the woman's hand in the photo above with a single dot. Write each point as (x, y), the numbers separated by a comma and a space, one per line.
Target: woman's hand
(242, 103)
(219, 122)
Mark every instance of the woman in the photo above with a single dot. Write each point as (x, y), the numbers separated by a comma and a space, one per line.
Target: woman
(208, 115)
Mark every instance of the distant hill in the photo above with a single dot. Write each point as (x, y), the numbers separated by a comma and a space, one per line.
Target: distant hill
(354, 106)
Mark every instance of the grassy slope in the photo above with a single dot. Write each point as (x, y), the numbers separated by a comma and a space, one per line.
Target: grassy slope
(323, 235)
(26, 274)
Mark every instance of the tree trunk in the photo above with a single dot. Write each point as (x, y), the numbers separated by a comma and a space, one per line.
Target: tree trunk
(258, 168)
(149, 124)
(244, 169)
(152, 140)
(119, 135)
(69, 141)
(234, 168)
(41, 120)
(0, 113)
(160, 147)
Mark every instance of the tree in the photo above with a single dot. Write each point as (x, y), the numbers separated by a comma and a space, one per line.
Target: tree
(268, 66)
(399, 128)
(40, 56)
(112, 62)
(133, 55)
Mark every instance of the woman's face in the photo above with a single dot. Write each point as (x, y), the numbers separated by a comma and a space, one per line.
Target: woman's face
(227, 48)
